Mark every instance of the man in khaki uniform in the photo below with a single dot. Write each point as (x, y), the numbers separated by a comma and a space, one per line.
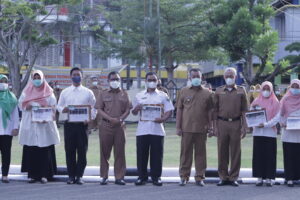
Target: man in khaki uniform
(194, 109)
(94, 86)
(113, 106)
(230, 104)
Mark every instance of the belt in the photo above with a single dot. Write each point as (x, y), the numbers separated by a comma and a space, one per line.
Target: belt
(229, 119)
(106, 120)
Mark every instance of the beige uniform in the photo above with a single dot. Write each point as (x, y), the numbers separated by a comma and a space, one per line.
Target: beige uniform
(196, 105)
(115, 104)
(229, 108)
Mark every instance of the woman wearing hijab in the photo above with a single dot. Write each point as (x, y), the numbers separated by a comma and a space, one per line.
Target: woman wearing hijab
(9, 124)
(38, 138)
(264, 137)
(290, 105)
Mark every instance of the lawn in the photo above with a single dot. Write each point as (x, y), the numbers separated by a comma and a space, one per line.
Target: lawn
(171, 149)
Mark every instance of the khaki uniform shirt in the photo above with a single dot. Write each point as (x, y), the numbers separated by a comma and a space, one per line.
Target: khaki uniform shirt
(196, 105)
(113, 103)
(230, 104)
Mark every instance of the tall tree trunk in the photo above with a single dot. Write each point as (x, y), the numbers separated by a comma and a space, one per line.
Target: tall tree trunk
(15, 77)
(170, 67)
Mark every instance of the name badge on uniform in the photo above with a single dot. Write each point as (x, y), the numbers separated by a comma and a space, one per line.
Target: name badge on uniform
(188, 99)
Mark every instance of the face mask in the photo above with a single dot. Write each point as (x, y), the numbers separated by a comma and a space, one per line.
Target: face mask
(57, 86)
(76, 79)
(115, 84)
(266, 93)
(196, 82)
(229, 81)
(95, 83)
(295, 91)
(3, 86)
(37, 82)
(151, 85)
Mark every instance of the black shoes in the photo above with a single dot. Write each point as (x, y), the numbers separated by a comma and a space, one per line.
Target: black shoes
(200, 183)
(5, 180)
(71, 180)
(232, 183)
(157, 182)
(31, 180)
(104, 181)
(259, 183)
(120, 182)
(79, 181)
(222, 183)
(140, 181)
(182, 182)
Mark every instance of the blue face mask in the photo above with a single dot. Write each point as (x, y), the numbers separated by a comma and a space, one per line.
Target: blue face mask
(76, 79)
(37, 82)
(295, 91)
(196, 82)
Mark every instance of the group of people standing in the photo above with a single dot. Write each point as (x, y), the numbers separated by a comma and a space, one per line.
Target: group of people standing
(200, 113)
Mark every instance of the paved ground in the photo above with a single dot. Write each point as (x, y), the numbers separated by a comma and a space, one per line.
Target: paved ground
(60, 190)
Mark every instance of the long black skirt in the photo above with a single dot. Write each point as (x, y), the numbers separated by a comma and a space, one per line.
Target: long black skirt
(291, 158)
(39, 162)
(264, 157)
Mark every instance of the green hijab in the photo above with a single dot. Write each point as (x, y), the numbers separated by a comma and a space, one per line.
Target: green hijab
(8, 103)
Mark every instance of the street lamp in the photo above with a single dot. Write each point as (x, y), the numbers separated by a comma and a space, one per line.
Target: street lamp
(159, 44)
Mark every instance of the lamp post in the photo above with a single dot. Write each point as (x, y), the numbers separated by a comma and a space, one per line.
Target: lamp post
(159, 44)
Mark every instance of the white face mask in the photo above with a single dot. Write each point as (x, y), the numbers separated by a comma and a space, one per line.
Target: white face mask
(229, 81)
(266, 93)
(3, 86)
(115, 84)
(151, 85)
(95, 83)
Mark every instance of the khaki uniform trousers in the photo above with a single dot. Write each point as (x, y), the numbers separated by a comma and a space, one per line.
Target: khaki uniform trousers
(112, 138)
(193, 143)
(229, 147)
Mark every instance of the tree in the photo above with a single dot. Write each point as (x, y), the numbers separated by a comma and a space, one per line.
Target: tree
(24, 34)
(241, 27)
(134, 34)
(288, 63)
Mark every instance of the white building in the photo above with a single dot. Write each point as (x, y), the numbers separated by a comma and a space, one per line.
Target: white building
(75, 48)
(287, 23)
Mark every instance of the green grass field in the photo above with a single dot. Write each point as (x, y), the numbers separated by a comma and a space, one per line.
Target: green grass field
(171, 150)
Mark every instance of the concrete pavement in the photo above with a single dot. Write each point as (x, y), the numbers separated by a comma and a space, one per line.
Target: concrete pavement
(90, 191)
